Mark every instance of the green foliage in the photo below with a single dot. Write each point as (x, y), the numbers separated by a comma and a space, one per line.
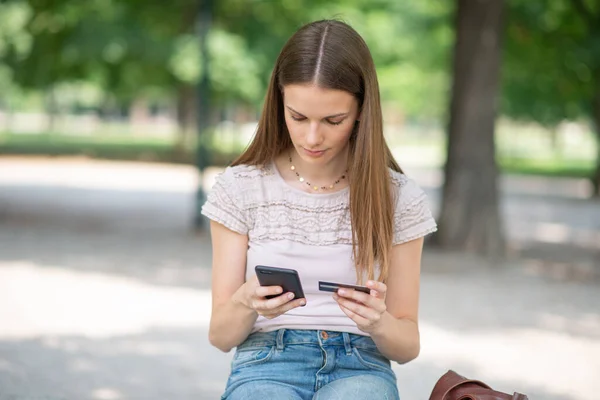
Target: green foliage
(551, 68)
(97, 41)
(410, 42)
(13, 40)
(547, 167)
(234, 72)
(185, 61)
(132, 48)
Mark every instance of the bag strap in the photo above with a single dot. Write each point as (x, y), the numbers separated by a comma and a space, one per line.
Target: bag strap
(450, 380)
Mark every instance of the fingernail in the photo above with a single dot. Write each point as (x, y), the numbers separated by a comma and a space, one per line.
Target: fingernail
(303, 303)
(291, 296)
(341, 292)
(279, 290)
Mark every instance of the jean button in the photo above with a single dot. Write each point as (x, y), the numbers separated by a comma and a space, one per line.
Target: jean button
(324, 335)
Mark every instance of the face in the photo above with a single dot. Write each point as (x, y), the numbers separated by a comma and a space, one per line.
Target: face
(320, 121)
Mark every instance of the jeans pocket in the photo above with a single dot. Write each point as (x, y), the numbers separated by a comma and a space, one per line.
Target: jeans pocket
(251, 356)
(372, 359)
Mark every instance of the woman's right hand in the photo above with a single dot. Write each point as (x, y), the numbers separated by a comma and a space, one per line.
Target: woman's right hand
(253, 296)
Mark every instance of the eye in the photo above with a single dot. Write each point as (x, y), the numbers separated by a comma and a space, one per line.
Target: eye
(297, 118)
(335, 122)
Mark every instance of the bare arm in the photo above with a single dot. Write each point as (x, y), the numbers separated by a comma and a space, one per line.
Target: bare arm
(390, 313)
(237, 303)
(398, 335)
(230, 321)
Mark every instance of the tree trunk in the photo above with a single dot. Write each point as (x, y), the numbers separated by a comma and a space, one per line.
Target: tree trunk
(186, 116)
(204, 109)
(596, 123)
(186, 94)
(470, 218)
(10, 117)
(592, 19)
(51, 110)
(555, 141)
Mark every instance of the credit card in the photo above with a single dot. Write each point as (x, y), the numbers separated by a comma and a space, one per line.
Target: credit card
(333, 287)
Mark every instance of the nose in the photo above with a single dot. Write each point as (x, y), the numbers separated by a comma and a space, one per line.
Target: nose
(314, 137)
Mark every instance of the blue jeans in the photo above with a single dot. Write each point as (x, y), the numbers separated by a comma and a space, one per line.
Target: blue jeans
(309, 365)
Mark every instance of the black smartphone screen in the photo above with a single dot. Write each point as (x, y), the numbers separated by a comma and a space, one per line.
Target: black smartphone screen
(287, 278)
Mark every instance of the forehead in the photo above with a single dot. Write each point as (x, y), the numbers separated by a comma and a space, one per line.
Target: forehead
(311, 100)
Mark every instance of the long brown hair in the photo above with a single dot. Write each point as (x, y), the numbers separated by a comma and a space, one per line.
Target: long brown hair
(332, 55)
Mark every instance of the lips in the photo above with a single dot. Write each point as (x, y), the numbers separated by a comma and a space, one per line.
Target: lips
(314, 151)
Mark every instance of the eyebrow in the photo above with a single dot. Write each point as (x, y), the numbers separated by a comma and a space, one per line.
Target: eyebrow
(329, 116)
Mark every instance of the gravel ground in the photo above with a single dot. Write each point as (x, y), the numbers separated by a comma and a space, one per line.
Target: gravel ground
(105, 290)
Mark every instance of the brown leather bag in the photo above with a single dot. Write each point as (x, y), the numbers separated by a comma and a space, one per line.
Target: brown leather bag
(452, 386)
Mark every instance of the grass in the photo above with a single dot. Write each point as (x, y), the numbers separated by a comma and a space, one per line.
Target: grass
(51, 144)
(126, 147)
(547, 167)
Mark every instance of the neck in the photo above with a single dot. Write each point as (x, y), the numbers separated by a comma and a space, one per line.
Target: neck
(321, 174)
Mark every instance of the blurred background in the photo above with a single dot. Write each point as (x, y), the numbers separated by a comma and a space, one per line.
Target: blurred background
(115, 117)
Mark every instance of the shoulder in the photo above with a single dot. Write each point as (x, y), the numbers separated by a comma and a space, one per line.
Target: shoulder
(232, 195)
(242, 176)
(412, 216)
(405, 189)
(398, 178)
(243, 172)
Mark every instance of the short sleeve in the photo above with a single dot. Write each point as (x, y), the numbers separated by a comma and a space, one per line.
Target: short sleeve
(412, 216)
(224, 205)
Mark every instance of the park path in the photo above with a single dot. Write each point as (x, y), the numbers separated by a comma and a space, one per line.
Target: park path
(105, 289)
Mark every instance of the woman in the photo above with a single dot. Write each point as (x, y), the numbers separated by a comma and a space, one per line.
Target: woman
(318, 191)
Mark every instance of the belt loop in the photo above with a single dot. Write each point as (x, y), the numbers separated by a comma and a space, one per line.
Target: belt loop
(280, 339)
(347, 345)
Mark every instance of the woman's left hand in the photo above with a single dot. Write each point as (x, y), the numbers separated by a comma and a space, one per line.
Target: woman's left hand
(364, 309)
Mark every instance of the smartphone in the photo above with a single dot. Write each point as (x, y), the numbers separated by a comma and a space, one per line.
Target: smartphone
(287, 278)
(333, 287)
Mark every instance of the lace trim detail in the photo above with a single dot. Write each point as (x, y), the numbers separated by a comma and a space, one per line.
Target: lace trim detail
(416, 221)
(320, 227)
(242, 172)
(253, 200)
(223, 206)
(412, 219)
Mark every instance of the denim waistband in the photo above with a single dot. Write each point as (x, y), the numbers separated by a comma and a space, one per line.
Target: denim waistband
(283, 337)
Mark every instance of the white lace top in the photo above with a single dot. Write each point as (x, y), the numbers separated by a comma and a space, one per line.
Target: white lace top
(310, 233)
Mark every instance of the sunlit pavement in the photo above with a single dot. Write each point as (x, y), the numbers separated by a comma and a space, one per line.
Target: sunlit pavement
(105, 292)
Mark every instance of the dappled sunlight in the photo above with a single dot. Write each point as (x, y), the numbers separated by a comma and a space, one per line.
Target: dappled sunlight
(552, 232)
(559, 363)
(106, 267)
(75, 172)
(562, 271)
(587, 324)
(106, 394)
(104, 290)
(80, 365)
(45, 300)
(514, 331)
(557, 232)
(574, 188)
(160, 363)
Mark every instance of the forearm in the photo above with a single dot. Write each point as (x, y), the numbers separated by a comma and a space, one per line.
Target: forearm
(230, 324)
(397, 338)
